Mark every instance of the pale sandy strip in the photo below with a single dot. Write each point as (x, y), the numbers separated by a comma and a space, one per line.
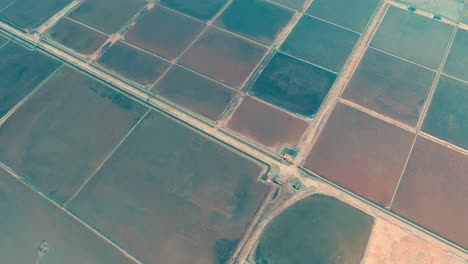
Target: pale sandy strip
(444, 143)
(280, 5)
(85, 25)
(333, 24)
(377, 115)
(57, 16)
(308, 62)
(401, 58)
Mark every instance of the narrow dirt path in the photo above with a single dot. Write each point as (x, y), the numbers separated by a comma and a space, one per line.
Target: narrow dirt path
(340, 84)
(55, 18)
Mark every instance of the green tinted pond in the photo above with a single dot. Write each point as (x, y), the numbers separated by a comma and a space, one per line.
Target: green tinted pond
(317, 229)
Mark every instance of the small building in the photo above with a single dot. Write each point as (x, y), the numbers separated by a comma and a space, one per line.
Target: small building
(297, 185)
(289, 153)
(43, 248)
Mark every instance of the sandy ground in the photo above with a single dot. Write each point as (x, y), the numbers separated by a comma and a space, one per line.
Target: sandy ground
(390, 244)
(394, 241)
(98, 53)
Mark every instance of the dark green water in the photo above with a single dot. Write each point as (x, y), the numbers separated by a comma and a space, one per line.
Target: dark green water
(294, 85)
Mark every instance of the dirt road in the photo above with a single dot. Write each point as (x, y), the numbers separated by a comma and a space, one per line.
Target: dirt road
(55, 18)
(340, 84)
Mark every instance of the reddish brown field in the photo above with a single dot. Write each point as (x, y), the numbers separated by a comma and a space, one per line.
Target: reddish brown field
(164, 32)
(266, 125)
(361, 153)
(433, 190)
(224, 57)
(390, 86)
